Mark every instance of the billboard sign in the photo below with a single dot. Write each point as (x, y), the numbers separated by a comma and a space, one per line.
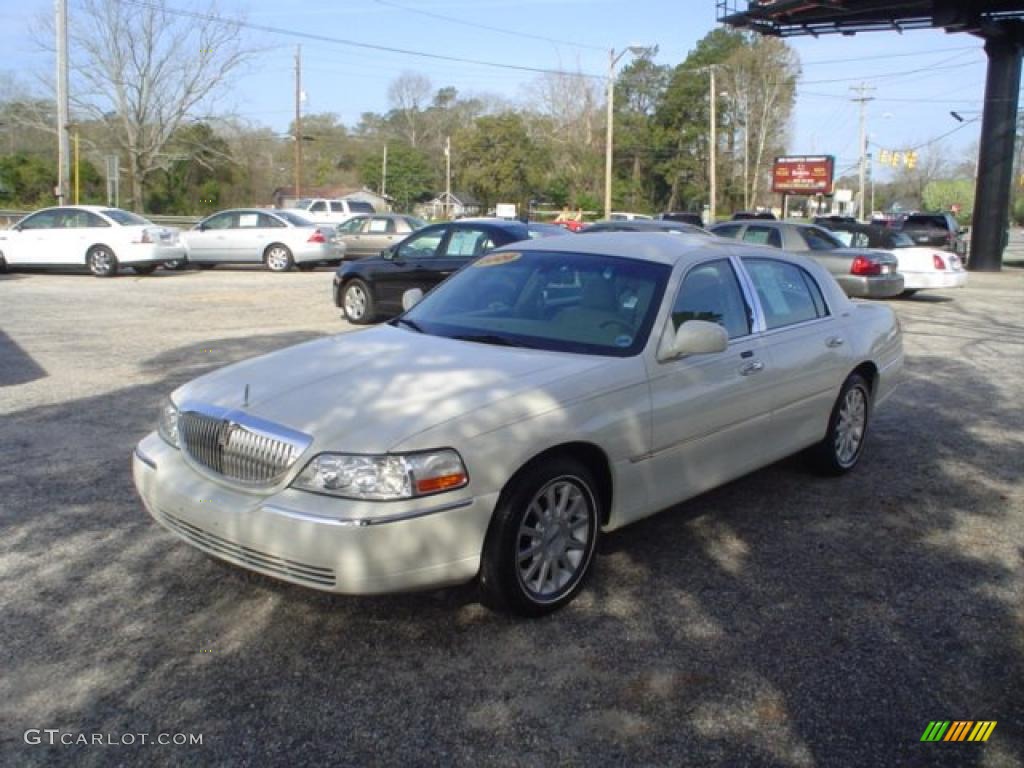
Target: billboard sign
(803, 175)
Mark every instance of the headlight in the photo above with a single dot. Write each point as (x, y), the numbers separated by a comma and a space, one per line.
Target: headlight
(167, 426)
(383, 478)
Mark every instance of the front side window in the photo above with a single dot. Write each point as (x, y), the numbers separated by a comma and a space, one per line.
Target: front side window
(788, 293)
(41, 220)
(570, 302)
(728, 230)
(352, 226)
(711, 292)
(761, 235)
(818, 239)
(220, 221)
(422, 246)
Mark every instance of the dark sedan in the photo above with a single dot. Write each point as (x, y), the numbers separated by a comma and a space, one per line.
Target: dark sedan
(861, 272)
(371, 289)
(645, 225)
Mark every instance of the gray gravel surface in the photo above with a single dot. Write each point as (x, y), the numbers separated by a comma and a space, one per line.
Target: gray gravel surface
(783, 620)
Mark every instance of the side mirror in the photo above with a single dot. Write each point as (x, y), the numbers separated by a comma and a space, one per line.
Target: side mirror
(388, 253)
(411, 298)
(694, 337)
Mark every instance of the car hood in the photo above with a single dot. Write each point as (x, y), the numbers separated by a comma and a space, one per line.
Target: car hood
(367, 391)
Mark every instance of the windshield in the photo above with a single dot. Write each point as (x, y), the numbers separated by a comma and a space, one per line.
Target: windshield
(568, 302)
(125, 218)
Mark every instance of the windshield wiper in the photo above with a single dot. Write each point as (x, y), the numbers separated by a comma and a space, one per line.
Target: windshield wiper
(490, 338)
(412, 324)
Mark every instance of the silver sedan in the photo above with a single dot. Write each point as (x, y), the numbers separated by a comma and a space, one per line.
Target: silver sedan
(278, 239)
(861, 272)
(368, 236)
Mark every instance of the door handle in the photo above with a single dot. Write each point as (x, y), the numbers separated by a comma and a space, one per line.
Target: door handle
(754, 366)
(834, 341)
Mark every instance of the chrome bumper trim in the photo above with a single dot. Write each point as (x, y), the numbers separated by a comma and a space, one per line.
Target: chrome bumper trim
(362, 522)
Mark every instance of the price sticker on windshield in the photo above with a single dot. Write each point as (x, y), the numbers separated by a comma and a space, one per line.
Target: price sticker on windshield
(495, 259)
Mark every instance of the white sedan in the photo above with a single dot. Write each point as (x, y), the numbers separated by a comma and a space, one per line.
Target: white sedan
(94, 236)
(547, 392)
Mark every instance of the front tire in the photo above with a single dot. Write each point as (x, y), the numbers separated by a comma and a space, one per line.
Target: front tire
(357, 303)
(843, 444)
(278, 258)
(102, 261)
(542, 538)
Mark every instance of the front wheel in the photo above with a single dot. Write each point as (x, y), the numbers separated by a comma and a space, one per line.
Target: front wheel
(541, 541)
(102, 261)
(278, 258)
(843, 444)
(357, 303)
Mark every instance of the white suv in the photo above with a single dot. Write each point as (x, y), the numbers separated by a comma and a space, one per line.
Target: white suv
(322, 211)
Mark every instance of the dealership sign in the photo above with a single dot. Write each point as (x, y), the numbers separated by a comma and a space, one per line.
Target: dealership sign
(803, 175)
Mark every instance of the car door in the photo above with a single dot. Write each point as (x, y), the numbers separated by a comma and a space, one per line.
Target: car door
(710, 413)
(84, 229)
(27, 242)
(464, 244)
(807, 348)
(409, 266)
(208, 242)
(376, 234)
(250, 235)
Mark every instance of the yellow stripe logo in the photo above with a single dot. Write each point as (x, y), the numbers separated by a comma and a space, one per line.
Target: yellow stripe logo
(958, 730)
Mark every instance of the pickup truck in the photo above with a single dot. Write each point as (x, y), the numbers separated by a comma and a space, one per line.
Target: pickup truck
(323, 211)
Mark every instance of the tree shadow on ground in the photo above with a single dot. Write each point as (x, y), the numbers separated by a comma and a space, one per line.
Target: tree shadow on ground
(782, 620)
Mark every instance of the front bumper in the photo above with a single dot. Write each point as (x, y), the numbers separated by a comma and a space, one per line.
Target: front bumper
(331, 544)
(872, 286)
(915, 281)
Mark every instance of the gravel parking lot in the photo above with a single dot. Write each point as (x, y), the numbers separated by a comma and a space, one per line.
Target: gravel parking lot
(783, 620)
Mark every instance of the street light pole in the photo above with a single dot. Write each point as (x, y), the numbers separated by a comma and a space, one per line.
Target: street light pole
(713, 147)
(636, 50)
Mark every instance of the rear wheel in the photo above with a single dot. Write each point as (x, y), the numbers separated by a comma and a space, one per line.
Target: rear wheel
(102, 261)
(278, 258)
(144, 269)
(843, 444)
(357, 302)
(541, 541)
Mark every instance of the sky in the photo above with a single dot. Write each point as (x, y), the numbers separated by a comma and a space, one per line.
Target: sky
(918, 77)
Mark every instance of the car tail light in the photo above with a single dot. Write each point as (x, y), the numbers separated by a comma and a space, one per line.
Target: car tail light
(317, 237)
(938, 262)
(865, 265)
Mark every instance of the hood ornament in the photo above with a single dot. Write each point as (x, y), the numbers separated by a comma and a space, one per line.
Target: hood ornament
(245, 399)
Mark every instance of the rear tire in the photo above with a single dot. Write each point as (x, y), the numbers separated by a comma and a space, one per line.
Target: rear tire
(843, 444)
(278, 258)
(357, 302)
(542, 538)
(101, 261)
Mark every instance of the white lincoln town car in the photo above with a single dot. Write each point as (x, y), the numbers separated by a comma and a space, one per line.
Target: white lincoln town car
(545, 393)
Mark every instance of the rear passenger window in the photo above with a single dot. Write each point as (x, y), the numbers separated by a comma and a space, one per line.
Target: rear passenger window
(763, 236)
(711, 292)
(788, 293)
(819, 239)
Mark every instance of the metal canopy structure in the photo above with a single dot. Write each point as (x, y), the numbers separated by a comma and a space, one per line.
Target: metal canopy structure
(999, 22)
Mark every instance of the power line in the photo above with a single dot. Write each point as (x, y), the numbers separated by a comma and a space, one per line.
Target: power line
(892, 55)
(463, 22)
(890, 75)
(353, 43)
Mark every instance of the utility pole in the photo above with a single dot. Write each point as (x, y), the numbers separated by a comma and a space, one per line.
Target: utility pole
(712, 151)
(63, 153)
(447, 176)
(298, 120)
(863, 98)
(384, 173)
(610, 100)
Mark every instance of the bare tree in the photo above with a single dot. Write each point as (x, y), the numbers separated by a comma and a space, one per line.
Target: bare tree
(142, 70)
(408, 95)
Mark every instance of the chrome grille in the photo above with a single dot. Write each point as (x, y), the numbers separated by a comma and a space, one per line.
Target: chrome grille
(250, 454)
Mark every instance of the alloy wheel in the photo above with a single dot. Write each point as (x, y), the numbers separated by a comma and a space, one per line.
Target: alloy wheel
(850, 427)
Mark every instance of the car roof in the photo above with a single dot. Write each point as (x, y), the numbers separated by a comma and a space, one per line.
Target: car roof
(660, 247)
